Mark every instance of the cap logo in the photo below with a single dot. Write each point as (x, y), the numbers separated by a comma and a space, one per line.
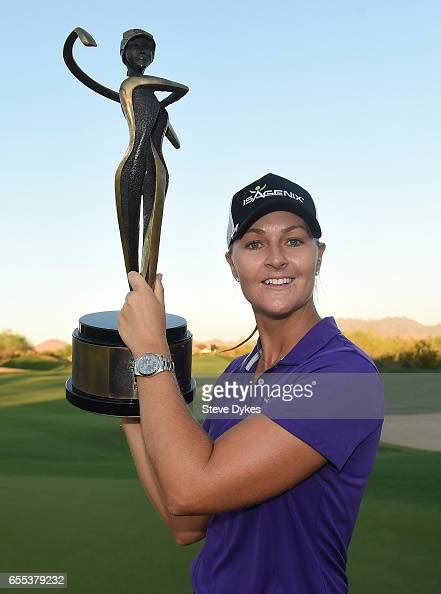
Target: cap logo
(260, 192)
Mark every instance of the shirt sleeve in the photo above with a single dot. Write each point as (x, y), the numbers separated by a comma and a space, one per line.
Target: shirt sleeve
(334, 438)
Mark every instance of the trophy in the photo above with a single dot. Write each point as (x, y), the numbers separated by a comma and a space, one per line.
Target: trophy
(102, 379)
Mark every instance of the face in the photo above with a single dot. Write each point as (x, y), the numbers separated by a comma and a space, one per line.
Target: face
(277, 248)
(139, 53)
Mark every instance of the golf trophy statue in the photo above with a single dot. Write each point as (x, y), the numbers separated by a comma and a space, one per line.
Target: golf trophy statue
(102, 366)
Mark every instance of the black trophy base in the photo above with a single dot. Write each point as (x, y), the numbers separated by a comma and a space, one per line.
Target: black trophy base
(112, 408)
(102, 379)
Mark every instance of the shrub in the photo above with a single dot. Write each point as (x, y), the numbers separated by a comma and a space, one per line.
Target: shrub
(12, 345)
(422, 355)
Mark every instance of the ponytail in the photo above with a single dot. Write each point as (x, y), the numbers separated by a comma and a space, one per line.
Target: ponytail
(241, 343)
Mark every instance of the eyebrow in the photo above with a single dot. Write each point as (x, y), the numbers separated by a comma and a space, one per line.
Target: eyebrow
(262, 232)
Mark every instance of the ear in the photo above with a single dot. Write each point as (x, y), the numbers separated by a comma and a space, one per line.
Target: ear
(229, 259)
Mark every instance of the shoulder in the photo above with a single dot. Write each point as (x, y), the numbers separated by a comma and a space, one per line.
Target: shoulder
(342, 355)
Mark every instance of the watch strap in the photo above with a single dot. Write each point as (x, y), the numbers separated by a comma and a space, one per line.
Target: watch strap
(165, 364)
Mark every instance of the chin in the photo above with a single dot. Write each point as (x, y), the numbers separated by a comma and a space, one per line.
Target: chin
(276, 312)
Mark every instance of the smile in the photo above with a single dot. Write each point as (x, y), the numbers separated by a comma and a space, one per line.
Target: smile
(278, 281)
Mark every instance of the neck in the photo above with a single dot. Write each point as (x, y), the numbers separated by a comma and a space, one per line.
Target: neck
(279, 336)
(135, 71)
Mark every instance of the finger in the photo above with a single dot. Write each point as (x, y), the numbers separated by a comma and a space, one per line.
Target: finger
(136, 281)
(159, 288)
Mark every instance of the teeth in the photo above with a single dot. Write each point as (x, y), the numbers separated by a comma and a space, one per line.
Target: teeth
(278, 281)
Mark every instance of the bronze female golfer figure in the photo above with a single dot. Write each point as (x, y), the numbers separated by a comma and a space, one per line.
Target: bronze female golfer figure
(142, 172)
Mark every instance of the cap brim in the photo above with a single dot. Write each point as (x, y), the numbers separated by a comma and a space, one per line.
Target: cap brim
(286, 204)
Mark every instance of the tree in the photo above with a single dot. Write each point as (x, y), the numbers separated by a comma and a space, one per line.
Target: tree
(422, 356)
(12, 344)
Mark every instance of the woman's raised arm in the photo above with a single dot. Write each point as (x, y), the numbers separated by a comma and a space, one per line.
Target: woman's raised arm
(185, 529)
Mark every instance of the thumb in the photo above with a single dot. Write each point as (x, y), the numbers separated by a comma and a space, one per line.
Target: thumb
(159, 289)
(136, 281)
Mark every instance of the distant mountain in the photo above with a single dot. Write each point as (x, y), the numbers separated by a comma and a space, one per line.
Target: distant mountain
(404, 327)
(394, 326)
(50, 346)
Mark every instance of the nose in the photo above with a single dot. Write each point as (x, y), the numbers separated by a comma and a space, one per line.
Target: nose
(276, 257)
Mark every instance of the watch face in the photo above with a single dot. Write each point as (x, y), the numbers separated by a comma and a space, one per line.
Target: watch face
(148, 364)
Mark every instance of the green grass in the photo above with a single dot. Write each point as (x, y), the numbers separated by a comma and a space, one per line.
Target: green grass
(412, 393)
(32, 387)
(71, 502)
(208, 365)
(35, 361)
(395, 545)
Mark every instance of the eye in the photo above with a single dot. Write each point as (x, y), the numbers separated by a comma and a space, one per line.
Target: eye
(293, 239)
(252, 244)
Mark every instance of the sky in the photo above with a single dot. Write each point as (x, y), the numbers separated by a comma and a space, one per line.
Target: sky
(341, 97)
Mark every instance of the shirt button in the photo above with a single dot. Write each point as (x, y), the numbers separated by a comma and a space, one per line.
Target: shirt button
(260, 381)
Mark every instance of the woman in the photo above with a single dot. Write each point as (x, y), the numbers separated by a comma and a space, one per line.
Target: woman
(276, 498)
(142, 171)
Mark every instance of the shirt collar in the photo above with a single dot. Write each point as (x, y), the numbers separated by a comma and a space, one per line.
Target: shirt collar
(315, 339)
(252, 357)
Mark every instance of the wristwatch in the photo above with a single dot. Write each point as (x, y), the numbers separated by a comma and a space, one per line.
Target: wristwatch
(151, 364)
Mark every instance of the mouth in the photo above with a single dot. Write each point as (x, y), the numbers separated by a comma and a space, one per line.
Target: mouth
(278, 283)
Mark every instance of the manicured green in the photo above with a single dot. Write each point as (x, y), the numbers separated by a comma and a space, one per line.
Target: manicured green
(31, 387)
(395, 546)
(209, 364)
(34, 361)
(71, 502)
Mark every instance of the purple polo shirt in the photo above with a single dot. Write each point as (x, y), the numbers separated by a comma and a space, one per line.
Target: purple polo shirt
(296, 542)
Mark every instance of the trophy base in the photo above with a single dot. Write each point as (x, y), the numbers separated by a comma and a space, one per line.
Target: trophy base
(102, 379)
(112, 408)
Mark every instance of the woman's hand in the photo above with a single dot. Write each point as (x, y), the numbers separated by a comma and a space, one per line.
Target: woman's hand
(141, 321)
